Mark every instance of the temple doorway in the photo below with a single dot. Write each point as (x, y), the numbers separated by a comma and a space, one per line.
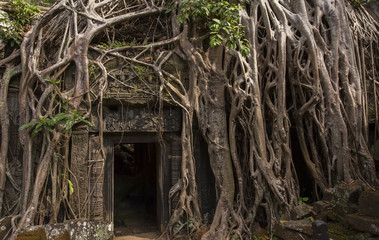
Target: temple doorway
(135, 188)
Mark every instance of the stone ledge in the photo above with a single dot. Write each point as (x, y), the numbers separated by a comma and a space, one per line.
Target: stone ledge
(363, 223)
(75, 230)
(368, 203)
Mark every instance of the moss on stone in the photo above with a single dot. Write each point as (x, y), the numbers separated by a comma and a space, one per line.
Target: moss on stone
(338, 231)
(38, 234)
(64, 236)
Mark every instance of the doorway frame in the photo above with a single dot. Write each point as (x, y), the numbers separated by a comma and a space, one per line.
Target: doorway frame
(110, 140)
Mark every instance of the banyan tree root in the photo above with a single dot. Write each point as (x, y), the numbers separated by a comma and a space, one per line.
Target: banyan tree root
(303, 79)
(12, 68)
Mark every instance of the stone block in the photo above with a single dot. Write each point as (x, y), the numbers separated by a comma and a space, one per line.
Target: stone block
(328, 194)
(340, 231)
(301, 211)
(345, 198)
(321, 206)
(76, 230)
(5, 226)
(363, 223)
(369, 203)
(61, 234)
(286, 233)
(302, 226)
(37, 234)
(364, 236)
(333, 216)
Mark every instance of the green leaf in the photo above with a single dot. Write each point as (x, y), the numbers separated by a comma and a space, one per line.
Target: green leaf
(70, 187)
(49, 122)
(69, 124)
(37, 129)
(88, 122)
(206, 10)
(216, 20)
(27, 125)
(52, 81)
(59, 117)
(219, 36)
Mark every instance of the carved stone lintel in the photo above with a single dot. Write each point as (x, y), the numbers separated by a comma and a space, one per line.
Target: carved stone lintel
(123, 119)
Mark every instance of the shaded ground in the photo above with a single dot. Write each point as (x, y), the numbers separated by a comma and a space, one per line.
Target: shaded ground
(137, 224)
(141, 236)
(133, 215)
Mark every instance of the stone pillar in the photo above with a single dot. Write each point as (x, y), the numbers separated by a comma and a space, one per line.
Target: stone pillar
(79, 172)
(96, 179)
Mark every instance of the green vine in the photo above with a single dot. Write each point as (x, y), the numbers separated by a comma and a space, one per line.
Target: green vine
(222, 20)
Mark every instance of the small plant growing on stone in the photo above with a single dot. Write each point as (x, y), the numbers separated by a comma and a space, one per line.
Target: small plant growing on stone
(13, 27)
(302, 200)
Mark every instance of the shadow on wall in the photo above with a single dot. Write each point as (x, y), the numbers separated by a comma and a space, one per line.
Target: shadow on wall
(373, 8)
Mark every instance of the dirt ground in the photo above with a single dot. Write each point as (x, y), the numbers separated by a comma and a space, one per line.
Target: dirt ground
(141, 236)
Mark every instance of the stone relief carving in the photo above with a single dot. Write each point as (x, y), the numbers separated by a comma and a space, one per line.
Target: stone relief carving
(122, 119)
(133, 86)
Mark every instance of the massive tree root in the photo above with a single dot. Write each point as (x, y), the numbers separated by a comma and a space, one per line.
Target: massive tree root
(307, 77)
(12, 68)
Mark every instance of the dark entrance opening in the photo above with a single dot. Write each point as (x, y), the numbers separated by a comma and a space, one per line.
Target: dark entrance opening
(135, 189)
(305, 181)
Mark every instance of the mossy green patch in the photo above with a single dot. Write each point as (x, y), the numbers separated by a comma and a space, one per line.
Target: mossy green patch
(338, 231)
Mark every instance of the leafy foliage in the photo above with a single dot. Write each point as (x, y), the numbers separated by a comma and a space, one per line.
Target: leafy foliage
(67, 119)
(302, 200)
(13, 27)
(222, 19)
(141, 71)
(117, 44)
(52, 81)
(24, 11)
(9, 29)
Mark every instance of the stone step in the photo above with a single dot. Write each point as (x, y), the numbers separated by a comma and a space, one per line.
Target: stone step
(363, 223)
(37, 234)
(283, 232)
(301, 211)
(369, 203)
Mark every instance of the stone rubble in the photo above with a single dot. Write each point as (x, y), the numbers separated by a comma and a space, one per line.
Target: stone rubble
(351, 211)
